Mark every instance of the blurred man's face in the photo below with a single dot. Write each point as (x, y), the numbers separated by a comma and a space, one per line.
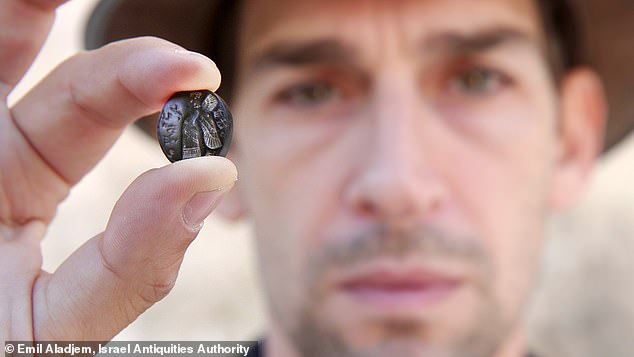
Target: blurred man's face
(396, 158)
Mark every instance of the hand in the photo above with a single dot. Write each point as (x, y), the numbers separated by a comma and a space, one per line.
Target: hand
(50, 139)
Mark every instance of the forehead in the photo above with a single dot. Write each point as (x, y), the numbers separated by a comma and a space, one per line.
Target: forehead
(266, 21)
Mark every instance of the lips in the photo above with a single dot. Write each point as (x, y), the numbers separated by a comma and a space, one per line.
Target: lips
(393, 287)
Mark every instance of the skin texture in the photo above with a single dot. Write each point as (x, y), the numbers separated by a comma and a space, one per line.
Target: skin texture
(399, 147)
(377, 136)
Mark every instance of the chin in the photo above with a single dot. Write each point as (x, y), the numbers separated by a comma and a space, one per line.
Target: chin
(451, 326)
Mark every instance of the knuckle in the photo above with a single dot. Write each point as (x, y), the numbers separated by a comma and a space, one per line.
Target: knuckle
(157, 290)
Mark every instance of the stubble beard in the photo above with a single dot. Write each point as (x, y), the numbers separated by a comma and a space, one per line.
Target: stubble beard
(489, 327)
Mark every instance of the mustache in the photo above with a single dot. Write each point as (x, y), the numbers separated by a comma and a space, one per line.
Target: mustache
(384, 241)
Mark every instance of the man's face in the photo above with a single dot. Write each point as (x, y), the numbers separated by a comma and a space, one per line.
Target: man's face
(396, 158)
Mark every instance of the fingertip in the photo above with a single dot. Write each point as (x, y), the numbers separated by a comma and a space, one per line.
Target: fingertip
(155, 69)
(218, 172)
(175, 184)
(206, 74)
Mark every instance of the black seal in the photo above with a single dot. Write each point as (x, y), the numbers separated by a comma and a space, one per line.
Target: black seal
(194, 124)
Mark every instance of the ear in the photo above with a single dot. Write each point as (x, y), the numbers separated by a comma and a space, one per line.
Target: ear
(583, 113)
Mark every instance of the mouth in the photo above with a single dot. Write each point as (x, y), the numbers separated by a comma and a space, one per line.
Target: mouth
(393, 287)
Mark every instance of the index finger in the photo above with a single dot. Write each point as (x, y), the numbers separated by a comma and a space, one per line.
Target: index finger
(73, 117)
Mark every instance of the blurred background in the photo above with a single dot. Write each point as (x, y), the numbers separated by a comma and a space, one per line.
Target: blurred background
(584, 305)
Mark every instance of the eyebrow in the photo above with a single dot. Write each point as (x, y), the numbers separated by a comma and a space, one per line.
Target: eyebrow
(334, 51)
(304, 53)
(478, 42)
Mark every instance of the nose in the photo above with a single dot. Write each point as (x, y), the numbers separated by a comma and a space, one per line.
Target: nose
(396, 180)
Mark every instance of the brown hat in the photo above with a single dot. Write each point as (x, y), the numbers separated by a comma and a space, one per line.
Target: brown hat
(607, 26)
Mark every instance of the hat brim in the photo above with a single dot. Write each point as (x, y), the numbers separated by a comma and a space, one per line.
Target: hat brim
(184, 23)
(607, 25)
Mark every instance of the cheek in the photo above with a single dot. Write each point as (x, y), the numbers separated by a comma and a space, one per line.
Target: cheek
(292, 171)
(502, 180)
(288, 170)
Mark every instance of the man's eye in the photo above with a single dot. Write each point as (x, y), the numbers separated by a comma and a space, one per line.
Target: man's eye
(480, 81)
(310, 94)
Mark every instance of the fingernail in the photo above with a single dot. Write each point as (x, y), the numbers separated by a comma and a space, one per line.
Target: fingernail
(201, 206)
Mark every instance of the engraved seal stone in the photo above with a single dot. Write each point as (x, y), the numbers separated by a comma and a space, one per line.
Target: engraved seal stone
(194, 124)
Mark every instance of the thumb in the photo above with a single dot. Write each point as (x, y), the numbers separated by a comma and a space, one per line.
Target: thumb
(114, 277)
